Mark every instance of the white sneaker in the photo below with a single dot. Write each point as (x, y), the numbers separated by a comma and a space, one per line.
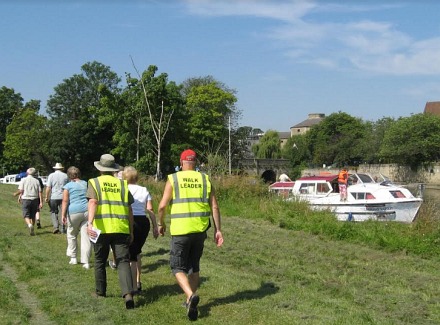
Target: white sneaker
(73, 261)
(31, 230)
(86, 266)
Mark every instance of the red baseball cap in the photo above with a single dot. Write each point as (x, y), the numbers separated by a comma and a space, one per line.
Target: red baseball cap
(188, 155)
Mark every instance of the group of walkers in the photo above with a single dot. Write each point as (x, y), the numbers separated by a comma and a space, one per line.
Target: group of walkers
(113, 213)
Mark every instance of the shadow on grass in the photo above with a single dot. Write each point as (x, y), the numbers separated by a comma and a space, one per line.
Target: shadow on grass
(154, 293)
(265, 289)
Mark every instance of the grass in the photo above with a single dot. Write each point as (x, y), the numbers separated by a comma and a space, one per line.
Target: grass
(280, 264)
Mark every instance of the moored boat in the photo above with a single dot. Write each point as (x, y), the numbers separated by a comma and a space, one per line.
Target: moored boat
(367, 199)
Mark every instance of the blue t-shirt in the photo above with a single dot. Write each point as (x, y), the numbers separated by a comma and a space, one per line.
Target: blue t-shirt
(77, 196)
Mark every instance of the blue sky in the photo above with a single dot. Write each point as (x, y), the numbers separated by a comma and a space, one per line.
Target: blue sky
(286, 59)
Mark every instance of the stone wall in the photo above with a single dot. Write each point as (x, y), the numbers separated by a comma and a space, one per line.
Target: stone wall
(398, 174)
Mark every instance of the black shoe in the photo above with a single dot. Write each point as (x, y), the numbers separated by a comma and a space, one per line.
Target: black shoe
(38, 225)
(129, 302)
(191, 310)
(56, 231)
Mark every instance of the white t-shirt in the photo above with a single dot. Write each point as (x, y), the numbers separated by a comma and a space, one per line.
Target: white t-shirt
(284, 178)
(141, 196)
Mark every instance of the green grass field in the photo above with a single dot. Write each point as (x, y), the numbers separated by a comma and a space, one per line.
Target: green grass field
(271, 270)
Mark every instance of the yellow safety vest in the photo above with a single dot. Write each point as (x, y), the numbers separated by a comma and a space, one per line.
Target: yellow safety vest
(113, 208)
(190, 210)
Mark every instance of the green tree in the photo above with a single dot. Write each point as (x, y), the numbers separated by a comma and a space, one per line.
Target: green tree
(338, 140)
(412, 141)
(154, 106)
(23, 137)
(374, 135)
(10, 103)
(79, 132)
(296, 150)
(212, 112)
(268, 146)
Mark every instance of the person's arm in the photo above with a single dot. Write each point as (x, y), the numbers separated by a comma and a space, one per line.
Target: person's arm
(47, 194)
(161, 212)
(149, 209)
(130, 223)
(91, 209)
(64, 206)
(215, 210)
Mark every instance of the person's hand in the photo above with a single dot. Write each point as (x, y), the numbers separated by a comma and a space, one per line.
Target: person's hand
(155, 232)
(90, 231)
(218, 238)
(64, 219)
(162, 229)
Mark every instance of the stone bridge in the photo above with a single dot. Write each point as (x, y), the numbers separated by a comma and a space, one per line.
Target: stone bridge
(268, 169)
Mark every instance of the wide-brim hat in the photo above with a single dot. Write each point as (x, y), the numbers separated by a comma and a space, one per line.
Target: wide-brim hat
(58, 166)
(106, 164)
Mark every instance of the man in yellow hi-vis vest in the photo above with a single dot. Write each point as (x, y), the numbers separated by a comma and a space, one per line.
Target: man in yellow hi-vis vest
(192, 200)
(110, 224)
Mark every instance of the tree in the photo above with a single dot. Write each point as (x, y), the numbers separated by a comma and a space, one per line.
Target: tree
(23, 138)
(412, 141)
(10, 103)
(269, 146)
(296, 150)
(338, 140)
(79, 129)
(209, 104)
(154, 106)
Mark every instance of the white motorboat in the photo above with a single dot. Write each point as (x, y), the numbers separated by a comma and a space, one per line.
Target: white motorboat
(366, 198)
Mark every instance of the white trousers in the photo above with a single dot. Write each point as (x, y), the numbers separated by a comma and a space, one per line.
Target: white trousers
(77, 223)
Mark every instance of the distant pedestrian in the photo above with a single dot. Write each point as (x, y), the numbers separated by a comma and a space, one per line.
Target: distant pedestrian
(342, 182)
(110, 223)
(31, 198)
(284, 178)
(74, 214)
(54, 195)
(192, 199)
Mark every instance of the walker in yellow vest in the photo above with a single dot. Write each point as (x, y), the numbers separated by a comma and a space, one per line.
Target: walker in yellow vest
(113, 208)
(190, 210)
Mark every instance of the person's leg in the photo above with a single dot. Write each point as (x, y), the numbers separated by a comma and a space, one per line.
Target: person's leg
(73, 227)
(54, 215)
(120, 244)
(138, 272)
(101, 247)
(86, 244)
(59, 207)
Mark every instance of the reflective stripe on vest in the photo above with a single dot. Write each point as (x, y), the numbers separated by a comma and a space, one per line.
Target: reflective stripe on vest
(112, 211)
(190, 210)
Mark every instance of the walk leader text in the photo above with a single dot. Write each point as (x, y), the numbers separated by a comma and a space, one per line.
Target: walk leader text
(110, 187)
(189, 183)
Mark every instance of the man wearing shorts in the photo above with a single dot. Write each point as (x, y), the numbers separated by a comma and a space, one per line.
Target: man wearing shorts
(192, 201)
(31, 198)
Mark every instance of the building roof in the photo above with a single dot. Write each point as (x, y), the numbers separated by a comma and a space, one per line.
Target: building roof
(312, 120)
(432, 108)
(284, 135)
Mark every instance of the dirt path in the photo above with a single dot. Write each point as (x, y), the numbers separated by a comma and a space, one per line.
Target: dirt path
(26, 298)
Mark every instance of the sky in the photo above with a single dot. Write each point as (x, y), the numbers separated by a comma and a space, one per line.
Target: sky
(285, 59)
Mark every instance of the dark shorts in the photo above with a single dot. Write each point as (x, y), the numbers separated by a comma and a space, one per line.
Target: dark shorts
(186, 251)
(30, 208)
(141, 228)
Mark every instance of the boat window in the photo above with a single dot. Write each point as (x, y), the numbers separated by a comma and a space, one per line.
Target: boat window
(365, 178)
(397, 194)
(323, 188)
(362, 196)
(307, 188)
